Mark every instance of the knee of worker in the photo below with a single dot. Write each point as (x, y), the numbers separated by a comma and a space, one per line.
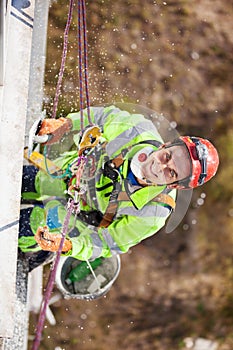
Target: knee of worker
(28, 178)
(24, 222)
(26, 238)
(74, 232)
(31, 216)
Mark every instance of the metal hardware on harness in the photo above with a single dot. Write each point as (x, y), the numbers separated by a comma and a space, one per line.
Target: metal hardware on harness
(75, 194)
(112, 206)
(74, 207)
(115, 192)
(74, 167)
(110, 170)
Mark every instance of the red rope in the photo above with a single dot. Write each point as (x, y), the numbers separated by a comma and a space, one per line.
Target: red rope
(49, 287)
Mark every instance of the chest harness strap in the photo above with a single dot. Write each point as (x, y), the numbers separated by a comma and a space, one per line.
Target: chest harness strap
(111, 170)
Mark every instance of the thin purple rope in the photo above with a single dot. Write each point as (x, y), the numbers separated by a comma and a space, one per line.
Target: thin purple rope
(86, 60)
(64, 54)
(80, 64)
(51, 280)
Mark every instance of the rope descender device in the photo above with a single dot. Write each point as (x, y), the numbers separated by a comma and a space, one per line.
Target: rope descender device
(75, 191)
(90, 138)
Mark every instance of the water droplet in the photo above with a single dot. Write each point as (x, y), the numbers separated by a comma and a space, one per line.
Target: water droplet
(133, 46)
(166, 262)
(200, 201)
(195, 56)
(173, 125)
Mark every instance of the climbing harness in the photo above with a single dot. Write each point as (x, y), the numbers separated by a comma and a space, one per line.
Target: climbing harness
(118, 195)
(111, 170)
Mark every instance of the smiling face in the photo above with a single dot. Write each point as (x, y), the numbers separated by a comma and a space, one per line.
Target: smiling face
(166, 165)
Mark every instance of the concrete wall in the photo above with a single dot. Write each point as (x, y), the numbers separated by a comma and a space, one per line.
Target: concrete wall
(23, 29)
(18, 24)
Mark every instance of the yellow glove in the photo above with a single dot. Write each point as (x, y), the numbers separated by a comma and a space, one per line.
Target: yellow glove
(51, 242)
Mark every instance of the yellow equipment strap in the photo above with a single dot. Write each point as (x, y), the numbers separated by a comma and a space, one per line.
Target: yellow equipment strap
(38, 160)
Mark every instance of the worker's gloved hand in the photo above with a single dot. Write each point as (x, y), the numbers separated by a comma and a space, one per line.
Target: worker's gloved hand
(54, 129)
(49, 241)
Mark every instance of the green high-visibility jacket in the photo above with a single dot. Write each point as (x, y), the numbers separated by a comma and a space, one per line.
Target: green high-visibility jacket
(136, 218)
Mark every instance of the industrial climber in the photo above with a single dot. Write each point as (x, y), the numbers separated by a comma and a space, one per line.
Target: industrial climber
(130, 181)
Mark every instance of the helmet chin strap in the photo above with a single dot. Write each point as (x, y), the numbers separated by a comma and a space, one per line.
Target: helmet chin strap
(149, 183)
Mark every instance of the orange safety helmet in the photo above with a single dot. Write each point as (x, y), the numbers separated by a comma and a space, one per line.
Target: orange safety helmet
(204, 160)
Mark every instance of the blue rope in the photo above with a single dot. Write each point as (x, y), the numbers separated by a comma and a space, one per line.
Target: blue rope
(62, 176)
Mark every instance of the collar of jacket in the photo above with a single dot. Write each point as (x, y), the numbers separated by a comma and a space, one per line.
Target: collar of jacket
(139, 195)
(136, 148)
